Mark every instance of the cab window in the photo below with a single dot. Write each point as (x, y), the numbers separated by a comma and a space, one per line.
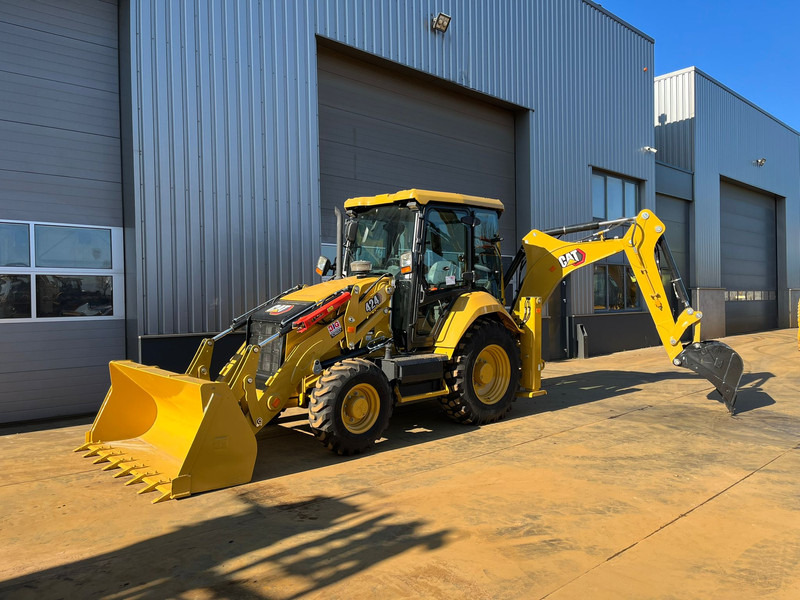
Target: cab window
(446, 247)
(488, 264)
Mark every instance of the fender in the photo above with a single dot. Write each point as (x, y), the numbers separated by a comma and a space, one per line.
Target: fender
(465, 311)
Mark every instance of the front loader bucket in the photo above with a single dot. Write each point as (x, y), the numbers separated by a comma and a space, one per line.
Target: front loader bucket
(176, 434)
(717, 362)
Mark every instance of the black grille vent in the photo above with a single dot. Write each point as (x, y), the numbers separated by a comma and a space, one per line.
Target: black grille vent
(271, 354)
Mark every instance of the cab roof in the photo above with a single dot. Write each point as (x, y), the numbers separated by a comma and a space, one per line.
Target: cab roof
(423, 197)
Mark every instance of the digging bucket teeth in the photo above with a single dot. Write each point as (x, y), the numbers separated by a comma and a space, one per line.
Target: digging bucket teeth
(717, 362)
(174, 434)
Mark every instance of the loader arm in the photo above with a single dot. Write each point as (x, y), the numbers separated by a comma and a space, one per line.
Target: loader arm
(549, 259)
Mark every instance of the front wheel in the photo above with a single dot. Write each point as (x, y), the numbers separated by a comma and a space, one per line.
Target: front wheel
(350, 406)
(484, 375)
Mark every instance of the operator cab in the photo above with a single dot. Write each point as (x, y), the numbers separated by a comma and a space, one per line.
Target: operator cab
(436, 246)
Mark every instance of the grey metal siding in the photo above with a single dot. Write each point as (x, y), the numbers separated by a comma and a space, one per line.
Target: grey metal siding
(225, 159)
(674, 118)
(59, 162)
(381, 131)
(52, 369)
(730, 135)
(59, 112)
(727, 135)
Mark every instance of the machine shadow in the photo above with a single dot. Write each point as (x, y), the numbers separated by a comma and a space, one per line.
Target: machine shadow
(424, 422)
(312, 544)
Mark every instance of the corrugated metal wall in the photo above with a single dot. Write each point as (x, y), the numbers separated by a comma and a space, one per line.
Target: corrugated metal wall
(674, 119)
(726, 136)
(225, 164)
(730, 135)
(60, 163)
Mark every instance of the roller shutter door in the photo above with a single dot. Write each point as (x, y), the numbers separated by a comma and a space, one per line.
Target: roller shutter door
(382, 130)
(675, 214)
(749, 256)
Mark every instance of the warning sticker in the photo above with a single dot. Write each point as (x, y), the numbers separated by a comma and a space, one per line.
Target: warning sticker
(335, 328)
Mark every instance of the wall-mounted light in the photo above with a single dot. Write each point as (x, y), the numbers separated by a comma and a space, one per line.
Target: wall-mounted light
(760, 162)
(440, 22)
(649, 150)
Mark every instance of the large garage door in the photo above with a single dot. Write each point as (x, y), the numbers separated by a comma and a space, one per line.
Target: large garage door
(749, 257)
(383, 131)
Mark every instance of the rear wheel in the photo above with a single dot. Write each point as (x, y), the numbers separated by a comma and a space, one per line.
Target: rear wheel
(484, 375)
(350, 407)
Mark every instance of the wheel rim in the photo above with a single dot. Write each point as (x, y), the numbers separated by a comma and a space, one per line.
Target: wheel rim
(491, 374)
(360, 408)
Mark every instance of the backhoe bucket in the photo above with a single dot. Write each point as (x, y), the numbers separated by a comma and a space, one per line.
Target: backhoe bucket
(717, 362)
(175, 434)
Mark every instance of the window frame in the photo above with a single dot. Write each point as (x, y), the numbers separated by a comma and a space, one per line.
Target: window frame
(616, 260)
(116, 272)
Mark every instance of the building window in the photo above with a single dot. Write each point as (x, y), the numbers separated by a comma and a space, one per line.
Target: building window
(52, 271)
(615, 287)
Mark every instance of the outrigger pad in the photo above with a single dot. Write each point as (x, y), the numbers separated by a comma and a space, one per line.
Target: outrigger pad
(717, 362)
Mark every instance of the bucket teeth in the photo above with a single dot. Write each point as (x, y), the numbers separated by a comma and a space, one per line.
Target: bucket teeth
(139, 477)
(127, 470)
(104, 456)
(114, 464)
(166, 493)
(151, 486)
(129, 466)
(95, 451)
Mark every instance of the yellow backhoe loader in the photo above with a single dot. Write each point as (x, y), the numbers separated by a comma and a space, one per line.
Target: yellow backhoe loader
(416, 310)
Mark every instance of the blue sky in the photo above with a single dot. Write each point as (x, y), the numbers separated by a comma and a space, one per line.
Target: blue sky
(753, 47)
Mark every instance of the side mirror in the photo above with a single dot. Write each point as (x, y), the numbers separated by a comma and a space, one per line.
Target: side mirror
(350, 230)
(323, 266)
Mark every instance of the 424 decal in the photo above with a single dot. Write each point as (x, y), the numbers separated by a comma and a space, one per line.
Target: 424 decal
(373, 303)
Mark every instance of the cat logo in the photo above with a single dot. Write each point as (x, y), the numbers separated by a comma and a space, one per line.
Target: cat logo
(279, 309)
(572, 258)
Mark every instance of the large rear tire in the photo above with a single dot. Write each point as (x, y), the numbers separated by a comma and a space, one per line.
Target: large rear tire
(350, 406)
(484, 375)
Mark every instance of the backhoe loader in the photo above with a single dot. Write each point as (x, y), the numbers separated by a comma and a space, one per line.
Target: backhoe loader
(415, 310)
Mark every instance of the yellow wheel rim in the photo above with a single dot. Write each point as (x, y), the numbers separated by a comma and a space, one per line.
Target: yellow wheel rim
(360, 408)
(491, 374)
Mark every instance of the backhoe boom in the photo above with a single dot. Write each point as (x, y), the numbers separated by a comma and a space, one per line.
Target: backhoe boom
(549, 259)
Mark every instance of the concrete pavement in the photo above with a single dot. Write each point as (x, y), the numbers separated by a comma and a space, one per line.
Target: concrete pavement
(629, 479)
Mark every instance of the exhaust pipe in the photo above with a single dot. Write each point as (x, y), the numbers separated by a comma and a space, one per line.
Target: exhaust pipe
(339, 229)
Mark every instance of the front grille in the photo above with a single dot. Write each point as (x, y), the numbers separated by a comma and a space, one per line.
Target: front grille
(271, 354)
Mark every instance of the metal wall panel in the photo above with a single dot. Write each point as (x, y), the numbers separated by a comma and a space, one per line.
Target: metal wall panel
(225, 163)
(59, 163)
(224, 160)
(717, 134)
(730, 135)
(56, 368)
(59, 112)
(674, 119)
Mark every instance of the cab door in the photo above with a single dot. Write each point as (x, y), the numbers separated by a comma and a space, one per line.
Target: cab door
(444, 270)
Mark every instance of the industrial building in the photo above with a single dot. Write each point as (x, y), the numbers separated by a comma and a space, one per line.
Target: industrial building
(167, 165)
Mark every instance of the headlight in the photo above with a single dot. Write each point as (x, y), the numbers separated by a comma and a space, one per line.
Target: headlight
(405, 262)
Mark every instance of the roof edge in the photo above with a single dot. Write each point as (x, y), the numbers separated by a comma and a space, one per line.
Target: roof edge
(622, 22)
(721, 85)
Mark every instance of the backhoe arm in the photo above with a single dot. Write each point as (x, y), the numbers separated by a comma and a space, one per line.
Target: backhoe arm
(549, 259)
